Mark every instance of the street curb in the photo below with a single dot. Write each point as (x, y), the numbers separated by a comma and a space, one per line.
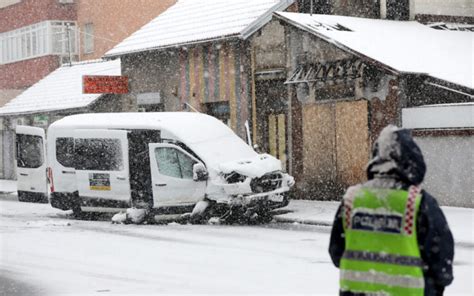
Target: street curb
(302, 221)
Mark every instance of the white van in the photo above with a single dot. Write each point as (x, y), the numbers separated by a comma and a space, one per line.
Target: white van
(166, 162)
(31, 164)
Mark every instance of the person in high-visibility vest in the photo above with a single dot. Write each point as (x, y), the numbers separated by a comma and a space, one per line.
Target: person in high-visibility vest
(389, 237)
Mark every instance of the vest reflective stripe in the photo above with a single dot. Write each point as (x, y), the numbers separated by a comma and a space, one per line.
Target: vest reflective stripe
(383, 258)
(374, 277)
(382, 254)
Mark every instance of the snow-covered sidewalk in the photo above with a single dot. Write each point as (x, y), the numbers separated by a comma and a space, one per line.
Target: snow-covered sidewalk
(461, 220)
(7, 186)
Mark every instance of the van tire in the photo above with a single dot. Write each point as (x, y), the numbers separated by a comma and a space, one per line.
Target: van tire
(25, 196)
(77, 212)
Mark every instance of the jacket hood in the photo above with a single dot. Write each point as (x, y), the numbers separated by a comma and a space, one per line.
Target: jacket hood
(396, 155)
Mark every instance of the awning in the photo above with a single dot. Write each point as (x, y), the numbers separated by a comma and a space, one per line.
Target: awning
(335, 71)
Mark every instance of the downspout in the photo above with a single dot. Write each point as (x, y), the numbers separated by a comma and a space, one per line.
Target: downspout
(290, 107)
(254, 96)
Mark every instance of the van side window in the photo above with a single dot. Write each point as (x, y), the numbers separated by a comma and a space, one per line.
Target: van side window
(174, 163)
(65, 151)
(98, 154)
(29, 151)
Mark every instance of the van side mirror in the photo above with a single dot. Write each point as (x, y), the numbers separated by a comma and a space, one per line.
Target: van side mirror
(200, 172)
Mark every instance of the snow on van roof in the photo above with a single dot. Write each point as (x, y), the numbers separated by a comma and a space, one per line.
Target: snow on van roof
(405, 46)
(61, 89)
(211, 139)
(195, 21)
(194, 127)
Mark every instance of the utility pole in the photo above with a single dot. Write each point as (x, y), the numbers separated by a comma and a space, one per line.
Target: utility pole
(311, 7)
(69, 44)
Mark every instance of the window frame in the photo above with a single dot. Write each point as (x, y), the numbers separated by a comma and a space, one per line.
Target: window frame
(70, 156)
(85, 159)
(177, 152)
(88, 41)
(37, 40)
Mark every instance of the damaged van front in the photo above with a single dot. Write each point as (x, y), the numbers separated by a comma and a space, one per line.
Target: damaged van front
(240, 182)
(257, 184)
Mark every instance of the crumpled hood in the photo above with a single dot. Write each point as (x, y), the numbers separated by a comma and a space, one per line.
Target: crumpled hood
(254, 167)
(396, 155)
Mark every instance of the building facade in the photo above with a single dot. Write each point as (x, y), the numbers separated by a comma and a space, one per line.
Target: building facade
(103, 24)
(33, 41)
(343, 93)
(38, 36)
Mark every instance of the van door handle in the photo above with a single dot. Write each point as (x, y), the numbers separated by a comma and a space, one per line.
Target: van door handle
(68, 172)
(121, 178)
(23, 174)
(160, 184)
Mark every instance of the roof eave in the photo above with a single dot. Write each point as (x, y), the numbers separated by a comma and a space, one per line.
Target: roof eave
(48, 110)
(264, 19)
(174, 45)
(450, 86)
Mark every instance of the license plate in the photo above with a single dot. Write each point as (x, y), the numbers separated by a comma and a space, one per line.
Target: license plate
(276, 198)
(99, 182)
(100, 188)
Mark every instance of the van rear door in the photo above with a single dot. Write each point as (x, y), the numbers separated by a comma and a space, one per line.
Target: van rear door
(31, 164)
(102, 168)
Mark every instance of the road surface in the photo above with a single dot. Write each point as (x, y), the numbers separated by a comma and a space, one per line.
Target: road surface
(46, 252)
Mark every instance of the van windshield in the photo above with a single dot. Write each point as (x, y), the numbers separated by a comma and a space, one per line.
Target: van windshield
(29, 151)
(98, 154)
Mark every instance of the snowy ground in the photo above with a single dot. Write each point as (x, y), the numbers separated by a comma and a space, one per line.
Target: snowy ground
(45, 252)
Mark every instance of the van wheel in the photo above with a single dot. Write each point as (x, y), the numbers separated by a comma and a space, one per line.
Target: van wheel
(77, 212)
(264, 217)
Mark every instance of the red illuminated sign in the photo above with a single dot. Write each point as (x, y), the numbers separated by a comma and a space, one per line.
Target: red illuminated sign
(104, 84)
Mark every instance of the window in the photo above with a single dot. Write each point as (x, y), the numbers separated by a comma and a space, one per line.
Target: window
(174, 163)
(30, 151)
(98, 154)
(49, 37)
(65, 151)
(88, 36)
(219, 110)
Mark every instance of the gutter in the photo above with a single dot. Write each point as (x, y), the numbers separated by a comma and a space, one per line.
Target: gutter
(176, 45)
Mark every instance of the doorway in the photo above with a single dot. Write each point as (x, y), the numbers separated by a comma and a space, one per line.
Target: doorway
(272, 118)
(139, 164)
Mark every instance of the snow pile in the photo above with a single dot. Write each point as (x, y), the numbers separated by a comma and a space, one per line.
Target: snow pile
(132, 215)
(7, 186)
(119, 218)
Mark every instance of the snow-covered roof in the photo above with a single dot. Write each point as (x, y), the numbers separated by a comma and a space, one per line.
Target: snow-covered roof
(61, 89)
(196, 21)
(404, 46)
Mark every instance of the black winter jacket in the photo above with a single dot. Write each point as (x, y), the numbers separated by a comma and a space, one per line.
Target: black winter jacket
(397, 163)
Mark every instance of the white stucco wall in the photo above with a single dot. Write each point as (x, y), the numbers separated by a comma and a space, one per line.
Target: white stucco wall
(450, 169)
(444, 7)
